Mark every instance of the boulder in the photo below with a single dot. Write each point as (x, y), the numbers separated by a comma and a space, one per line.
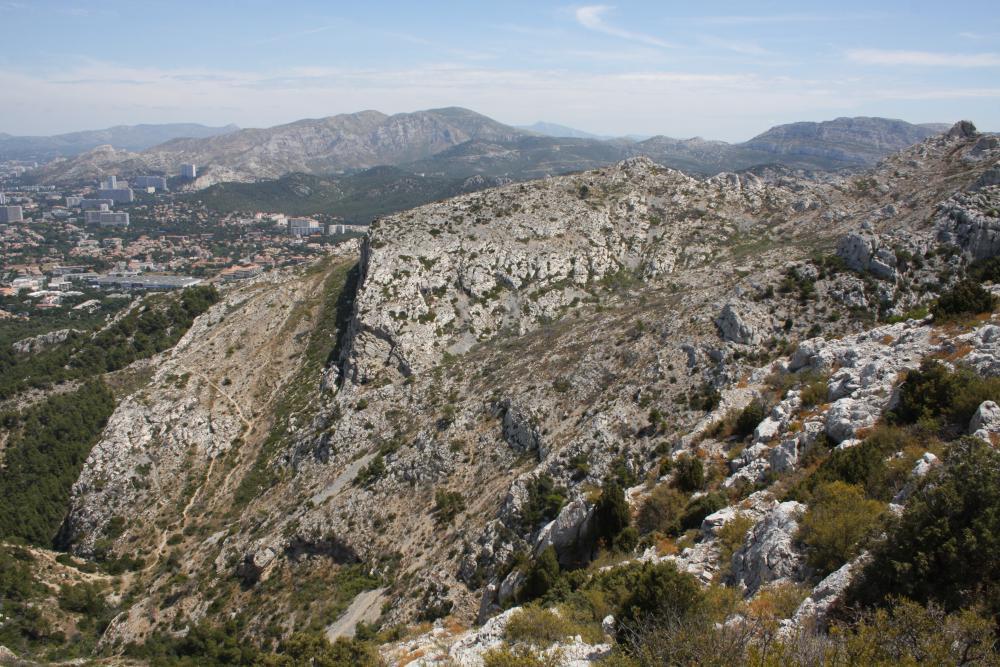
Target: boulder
(864, 252)
(963, 129)
(769, 552)
(814, 609)
(567, 532)
(733, 328)
(256, 563)
(846, 416)
(520, 428)
(985, 421)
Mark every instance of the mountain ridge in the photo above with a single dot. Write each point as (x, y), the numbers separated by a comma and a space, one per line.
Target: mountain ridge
(126, 137)
(458, 142)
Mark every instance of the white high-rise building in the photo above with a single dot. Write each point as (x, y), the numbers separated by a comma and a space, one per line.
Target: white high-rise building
(11, 214)
(189, 171)
(3, 199)
(106, 218)
(118, 195)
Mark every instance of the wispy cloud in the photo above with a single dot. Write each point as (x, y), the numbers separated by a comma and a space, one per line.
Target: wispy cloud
(291, 35)
(745, 48)
(778, 18)
(923, 58)
(591, 17)
(979, 35)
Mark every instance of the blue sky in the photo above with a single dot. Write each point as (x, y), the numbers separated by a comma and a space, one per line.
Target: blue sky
(725, 70)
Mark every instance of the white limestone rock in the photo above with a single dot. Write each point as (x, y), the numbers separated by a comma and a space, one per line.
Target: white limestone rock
(985, 421)
(734, 328)
(769, 552)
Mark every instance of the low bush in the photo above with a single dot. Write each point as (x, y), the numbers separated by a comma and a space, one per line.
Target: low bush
(837, 521)
(689, 473)
(545, 499)
(945, 549)
(730, 538)
(966, 297)
(662, 511)
(752, 415)
(539, 627)
(448, 505)
(700, 507)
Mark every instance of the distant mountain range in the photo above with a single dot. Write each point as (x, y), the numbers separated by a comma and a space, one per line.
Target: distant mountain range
(455, 143)
(556, 130)
(125, 137)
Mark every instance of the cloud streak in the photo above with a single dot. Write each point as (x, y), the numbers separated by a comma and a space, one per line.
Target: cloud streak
(922, 58)
(591, 17)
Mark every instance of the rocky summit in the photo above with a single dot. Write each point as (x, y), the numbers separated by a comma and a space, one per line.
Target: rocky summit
(564, 419)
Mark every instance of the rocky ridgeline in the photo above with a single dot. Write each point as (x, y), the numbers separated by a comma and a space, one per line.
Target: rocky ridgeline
(442, 278)
(576, 328)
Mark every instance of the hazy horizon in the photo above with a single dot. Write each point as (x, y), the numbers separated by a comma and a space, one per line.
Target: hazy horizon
(633, 68)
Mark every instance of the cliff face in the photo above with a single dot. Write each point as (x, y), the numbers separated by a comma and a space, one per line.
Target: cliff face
(308, 434)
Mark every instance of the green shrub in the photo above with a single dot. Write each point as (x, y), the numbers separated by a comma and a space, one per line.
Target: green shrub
(541, 575)
(700, 507)
(966, 297)
(946, 546)
(662, 511)
(865, 465)
(545, 499)
(661, 593)
(985, 270)
(838, 519)
(752, 415)
(689, 473)
(934, 393)
(611, 514)
(448, 505)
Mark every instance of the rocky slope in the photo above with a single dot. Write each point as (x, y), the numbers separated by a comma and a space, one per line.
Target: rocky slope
(858, 141)
(579, 328)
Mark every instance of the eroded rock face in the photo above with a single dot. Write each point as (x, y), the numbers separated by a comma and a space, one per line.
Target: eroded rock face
(567, 532)
(769, 553)
(444, 277)
(734, 328)
(814, 609)
(969, 220)
(42, 341)
(865, 252)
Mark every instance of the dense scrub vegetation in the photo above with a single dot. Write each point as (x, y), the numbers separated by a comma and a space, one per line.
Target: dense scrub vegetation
(154, 326)
(945, 549)
(937, 397)
(207, 645)
(48, 445)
